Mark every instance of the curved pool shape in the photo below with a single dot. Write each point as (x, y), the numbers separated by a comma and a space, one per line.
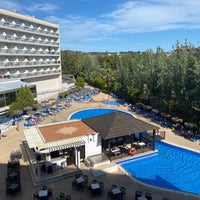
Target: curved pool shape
(172, 167)
(93, 112)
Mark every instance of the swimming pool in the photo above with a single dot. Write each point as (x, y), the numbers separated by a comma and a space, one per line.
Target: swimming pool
(172, 167)
(93, 112)
(113, 102)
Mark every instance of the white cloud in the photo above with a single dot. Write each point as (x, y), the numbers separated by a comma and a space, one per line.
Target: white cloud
(74, 28)
(132, 17)
(11, 5)
(141, 16)
(45, 7)
(30, 6)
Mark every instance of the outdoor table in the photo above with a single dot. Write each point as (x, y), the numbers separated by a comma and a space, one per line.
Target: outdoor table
(142, 198)
(128, 145)
(141, 144)
(116, 191)
(95, 186)
(115, 150)
(80, 180)
(43, 193)
(13, 174)
(13, 186)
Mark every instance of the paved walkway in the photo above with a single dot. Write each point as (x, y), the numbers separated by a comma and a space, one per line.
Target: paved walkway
(14, 140)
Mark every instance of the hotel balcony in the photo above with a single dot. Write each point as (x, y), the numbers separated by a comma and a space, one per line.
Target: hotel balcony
(28, 29)
(11, 64)
(9, 38)
(29, 74)
(9, 51)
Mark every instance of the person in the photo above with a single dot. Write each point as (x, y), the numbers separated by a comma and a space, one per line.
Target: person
(17, 126)
(13, 123)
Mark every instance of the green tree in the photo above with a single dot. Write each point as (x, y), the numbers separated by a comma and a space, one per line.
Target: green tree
(24, 98)
(100, 83)
(71, 62)
(80, 82)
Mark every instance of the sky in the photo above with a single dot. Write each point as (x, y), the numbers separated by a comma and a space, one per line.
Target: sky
(117, 25)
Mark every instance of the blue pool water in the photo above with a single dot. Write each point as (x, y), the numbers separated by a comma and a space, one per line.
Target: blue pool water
(83, 114)
(172, 167)
(112, 102)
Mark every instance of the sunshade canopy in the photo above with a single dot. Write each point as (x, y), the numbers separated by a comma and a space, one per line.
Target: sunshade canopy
(11, 86)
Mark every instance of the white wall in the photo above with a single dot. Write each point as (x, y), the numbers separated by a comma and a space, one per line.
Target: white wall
(48, 85)
(92, 144)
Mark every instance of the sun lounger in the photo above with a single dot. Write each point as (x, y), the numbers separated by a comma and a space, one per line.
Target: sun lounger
(195, 139)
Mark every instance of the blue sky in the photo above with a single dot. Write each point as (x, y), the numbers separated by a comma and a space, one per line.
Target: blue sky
(117, 25)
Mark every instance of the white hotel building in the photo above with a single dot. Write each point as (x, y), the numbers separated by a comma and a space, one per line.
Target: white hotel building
(29, 55)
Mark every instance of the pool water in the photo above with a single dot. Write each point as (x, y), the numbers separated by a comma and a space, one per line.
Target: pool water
(112, 102)
(172, 167)
(94, 112)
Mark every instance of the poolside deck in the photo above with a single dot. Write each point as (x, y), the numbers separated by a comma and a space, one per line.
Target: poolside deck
(14, 141)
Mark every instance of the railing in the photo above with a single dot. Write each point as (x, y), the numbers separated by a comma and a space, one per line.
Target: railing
(28, 63)
(23, 51)
(21, 39)
(29, 74)
(28, 28)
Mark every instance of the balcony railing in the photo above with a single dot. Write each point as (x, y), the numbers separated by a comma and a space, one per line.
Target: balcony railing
(27, 28)
(29, 40)
(30, 74)
(23, 51)
(28, 63)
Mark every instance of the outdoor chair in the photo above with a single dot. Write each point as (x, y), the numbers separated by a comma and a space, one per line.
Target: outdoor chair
(35, 195)
(109, 193)
(113, 186)
(118, 197)
(148, 196)
(44, 187)
(62, 195)
(68, 197)
(78, 186)
(138, 193)
(123, 189)
(50, 192)
(86, 178)
(101, 185)
(78, 175)
(89, 188)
